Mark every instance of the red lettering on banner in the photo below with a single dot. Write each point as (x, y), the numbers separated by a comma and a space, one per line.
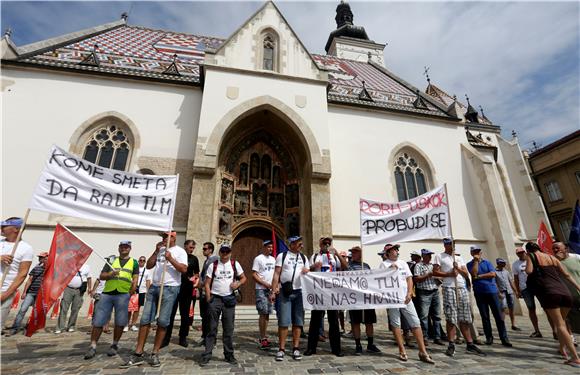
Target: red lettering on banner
(432, 201)
(375, 208)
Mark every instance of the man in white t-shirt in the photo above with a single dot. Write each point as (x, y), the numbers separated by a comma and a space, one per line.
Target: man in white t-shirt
(16, 267)
(166, 267)
(451, 267)
(289, 266)
(522, 291)
(72, 298)
(263, 272)
(405, 277)
(223, 277)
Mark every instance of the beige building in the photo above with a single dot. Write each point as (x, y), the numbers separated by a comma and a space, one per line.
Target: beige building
(556, 171)
(264, 135)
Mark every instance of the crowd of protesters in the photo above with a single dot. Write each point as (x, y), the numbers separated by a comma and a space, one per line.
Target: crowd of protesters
(171, 278)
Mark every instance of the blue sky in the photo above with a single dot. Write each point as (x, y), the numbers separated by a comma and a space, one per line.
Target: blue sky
(519, 61)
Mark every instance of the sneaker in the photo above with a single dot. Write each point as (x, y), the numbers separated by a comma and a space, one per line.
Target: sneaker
(357, 351)
(280, 355)
(113, 350)
(231, 360)
(71, 329)
(126, 329)
(134, 360)
(536, 335)
(450, 352)
(134, 328)
(296, 355)
(514, 328)
(154, 360)
(183, 342)
(506, 343)
(473, 349)
(372, 348)
(58, 331)
(90, 353)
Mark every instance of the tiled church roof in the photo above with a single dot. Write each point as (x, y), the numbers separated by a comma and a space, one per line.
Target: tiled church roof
(348, 78)
(446, 99)
(142, 52)
(132, 50)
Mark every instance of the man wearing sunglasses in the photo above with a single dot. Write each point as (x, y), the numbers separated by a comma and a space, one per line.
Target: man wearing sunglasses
(208, 249)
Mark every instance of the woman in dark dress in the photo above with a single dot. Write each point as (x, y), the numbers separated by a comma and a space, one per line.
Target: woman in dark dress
(544, 272)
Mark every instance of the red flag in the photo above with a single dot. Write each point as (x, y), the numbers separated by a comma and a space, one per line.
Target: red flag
(15, 300)
(54, 313)
(274, 243)
(544, 239)
(67, 254)
(91, 309)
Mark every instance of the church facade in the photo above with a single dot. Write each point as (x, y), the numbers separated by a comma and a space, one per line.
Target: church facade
(264, 135)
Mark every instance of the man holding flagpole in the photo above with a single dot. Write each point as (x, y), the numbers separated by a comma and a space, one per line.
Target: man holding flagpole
(14, 266)
(167, 265)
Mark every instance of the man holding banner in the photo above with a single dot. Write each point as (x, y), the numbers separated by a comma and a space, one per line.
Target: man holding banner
(367, 316)
(121, 282)
(451, 267)
(326, 260)
(15, 264)
(408, 312)
(167, 265)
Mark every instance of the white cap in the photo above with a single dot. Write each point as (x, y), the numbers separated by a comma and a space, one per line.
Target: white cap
(474, 247)
(416, 252)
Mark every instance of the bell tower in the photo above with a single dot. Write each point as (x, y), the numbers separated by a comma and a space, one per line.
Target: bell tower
(352, 42)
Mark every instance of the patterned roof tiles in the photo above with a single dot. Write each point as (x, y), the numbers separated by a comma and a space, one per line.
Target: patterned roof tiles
(135, 51)
(447, 100)
(347, 78)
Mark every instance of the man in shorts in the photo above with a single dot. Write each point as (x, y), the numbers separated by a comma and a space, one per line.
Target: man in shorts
(174, 262)
(289, 265)
(368, 317)
(263, 272)
(121, 282)
(451, 267)
(505, 284)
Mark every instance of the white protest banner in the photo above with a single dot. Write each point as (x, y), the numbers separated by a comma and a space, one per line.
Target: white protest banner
(75, 187)
(423, 217)
(353, 290)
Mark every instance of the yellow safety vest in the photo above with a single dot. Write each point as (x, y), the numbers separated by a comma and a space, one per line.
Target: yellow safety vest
(122, 282)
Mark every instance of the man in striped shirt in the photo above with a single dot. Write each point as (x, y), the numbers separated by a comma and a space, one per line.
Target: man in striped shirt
(427, 292)
(368, 317)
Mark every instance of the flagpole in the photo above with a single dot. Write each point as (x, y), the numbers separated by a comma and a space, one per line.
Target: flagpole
(93, 250)
(18, 237)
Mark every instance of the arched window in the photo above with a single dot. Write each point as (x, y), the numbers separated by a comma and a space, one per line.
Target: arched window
(269, 52)
(109, 146)
(411, 176)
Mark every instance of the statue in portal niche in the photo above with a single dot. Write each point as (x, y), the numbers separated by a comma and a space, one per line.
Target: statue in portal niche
(260, 196)
(227, 191)
(276, 205)
(276, 177)
(241, 203)
(225, 222)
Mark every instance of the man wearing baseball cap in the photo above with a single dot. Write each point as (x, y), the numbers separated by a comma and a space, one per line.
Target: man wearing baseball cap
(14, 266)
(486, 295)
(167, 265)
(121, 282)
(506, 287)
(286, 284)
(451, 267)
(31, 288)
(428, 300)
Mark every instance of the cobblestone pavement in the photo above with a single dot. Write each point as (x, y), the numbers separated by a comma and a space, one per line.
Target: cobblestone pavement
(46, 352)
